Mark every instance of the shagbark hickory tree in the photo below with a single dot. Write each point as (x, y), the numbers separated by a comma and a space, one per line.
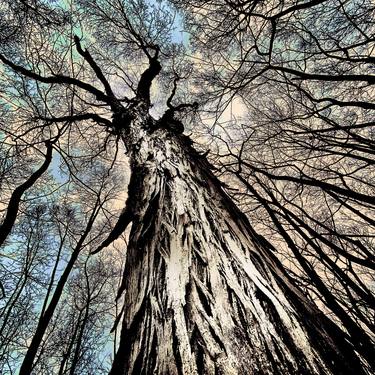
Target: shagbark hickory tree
(203, 292)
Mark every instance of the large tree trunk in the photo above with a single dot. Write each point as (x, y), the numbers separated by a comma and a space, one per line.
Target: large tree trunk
(203, 294)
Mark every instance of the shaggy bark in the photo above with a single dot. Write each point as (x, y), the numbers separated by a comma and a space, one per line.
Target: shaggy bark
(203, 293)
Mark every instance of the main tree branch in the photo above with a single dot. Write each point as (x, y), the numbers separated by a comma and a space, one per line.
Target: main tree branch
(59, 79)
(79, 117)
(115, 104)
(145, 82)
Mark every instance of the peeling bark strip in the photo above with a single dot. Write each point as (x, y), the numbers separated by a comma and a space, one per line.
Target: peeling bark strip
(203, 294)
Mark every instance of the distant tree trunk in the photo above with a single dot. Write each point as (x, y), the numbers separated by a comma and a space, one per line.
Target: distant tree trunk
(15, 199)
(48, 312)
(203, 293)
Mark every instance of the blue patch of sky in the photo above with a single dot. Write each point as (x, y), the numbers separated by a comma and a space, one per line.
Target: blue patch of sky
(57, 173)
(178, 35)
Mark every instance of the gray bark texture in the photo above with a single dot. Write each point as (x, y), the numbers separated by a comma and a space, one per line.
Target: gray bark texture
(203, 293)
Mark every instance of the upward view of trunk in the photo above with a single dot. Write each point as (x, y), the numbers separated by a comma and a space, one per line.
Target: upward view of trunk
(203, 295)
(202, 292)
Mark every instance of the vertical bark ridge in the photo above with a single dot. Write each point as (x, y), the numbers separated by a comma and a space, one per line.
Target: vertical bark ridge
(202, 296)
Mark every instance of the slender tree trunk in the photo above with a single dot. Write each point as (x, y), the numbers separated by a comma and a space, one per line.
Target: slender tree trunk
(81, 329)
(15, 199)
(46, 316)
(72, 340)
(203, 293)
